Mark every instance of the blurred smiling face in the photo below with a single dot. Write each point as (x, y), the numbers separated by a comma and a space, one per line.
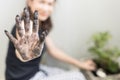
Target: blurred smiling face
(44, 7)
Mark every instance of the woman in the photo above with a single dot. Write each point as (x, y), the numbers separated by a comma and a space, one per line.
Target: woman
(29, 39)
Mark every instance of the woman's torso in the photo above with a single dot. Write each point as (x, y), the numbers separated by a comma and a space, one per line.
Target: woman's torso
(17, 70)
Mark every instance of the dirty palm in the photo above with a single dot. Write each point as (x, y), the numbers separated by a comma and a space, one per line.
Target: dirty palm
(28, 42)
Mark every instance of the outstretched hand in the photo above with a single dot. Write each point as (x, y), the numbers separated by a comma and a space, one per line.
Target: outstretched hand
(28, 42)
(88, 65)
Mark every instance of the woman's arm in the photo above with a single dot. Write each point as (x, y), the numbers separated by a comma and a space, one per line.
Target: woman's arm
(60, 55)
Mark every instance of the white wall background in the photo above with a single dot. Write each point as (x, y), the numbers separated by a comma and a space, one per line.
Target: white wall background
(74, 22)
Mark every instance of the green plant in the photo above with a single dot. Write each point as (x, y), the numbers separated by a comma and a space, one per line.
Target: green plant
(105, 57)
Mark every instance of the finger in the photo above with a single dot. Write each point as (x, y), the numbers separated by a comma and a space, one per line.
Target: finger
(14, 40)
(28, 27)
(35, 22)
(19, 27)
(93, 68)
(43, 35)
(91, 63)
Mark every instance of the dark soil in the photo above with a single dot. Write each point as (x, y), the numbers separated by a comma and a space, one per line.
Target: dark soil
(106, 71)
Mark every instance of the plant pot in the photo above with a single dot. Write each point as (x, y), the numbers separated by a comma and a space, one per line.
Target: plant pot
(90, 76)
(109, 66)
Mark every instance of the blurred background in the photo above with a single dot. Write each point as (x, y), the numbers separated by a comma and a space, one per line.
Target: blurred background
(74, 23)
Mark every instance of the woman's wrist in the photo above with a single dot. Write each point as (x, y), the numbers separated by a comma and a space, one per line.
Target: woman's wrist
(77, 63)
